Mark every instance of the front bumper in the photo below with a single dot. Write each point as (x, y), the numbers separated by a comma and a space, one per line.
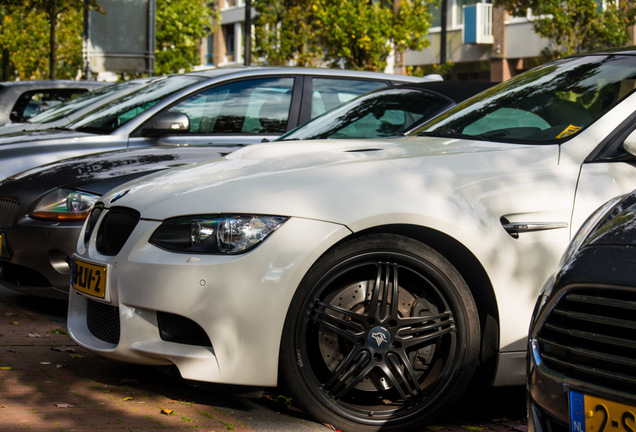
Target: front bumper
(239, 303)
(36, 256)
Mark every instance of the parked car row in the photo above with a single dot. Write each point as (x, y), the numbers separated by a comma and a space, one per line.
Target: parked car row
(372, 262)
(220, 107)
(44, 208)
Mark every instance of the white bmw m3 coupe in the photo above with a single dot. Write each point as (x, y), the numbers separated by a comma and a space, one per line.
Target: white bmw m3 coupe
(373, 279)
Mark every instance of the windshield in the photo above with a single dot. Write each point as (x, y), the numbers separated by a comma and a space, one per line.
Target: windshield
(109, 117)
(64, 109)
(543, 106)
(379, 114)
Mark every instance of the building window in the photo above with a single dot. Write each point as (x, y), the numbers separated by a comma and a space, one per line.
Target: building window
(209, 51)
(455, 12)
(230, 42)
(458, 11)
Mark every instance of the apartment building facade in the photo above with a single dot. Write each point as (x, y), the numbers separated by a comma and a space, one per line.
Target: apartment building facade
(481, 41)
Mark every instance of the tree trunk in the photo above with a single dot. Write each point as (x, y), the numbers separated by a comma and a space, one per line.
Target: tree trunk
(52, 39)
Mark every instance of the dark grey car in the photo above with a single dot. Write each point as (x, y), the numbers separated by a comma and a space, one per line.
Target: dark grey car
(42, 210)
(215, 107)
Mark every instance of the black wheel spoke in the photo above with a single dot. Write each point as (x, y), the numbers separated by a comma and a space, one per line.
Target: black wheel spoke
(385, 291)
(353, 369)
(349, 329)
(403, 377)
(423, 330)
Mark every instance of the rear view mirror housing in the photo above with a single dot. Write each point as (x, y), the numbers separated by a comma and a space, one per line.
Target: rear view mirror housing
(167, 123)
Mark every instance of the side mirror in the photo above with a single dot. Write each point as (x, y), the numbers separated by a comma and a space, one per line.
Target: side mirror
(630, 143)
(168, 123)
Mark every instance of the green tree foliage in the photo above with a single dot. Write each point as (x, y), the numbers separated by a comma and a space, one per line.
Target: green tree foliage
(573, 26)
(354, 34)
(287, 32)
(33, 32)
(361, 34)
(60, 15)
(180, 26)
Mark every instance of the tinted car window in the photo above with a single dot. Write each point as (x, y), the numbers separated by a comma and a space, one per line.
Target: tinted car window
(62, 110)
(551, 103)
(384, 113)
(33, 102)
(106, 119)
(328, 93)
(248, 106)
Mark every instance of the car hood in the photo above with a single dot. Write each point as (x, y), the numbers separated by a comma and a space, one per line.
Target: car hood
(33, 136)
(12, 128)
(312, 178)
(97, 173)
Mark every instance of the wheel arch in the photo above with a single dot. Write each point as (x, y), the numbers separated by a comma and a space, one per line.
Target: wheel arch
(475, 276)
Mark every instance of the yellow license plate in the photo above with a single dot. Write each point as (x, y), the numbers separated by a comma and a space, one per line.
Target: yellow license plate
(89, 278)
(594, 414)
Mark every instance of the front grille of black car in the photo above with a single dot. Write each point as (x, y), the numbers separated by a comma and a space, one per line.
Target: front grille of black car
(591, 336)
(8, 212)
(116, 227)
(103, 321)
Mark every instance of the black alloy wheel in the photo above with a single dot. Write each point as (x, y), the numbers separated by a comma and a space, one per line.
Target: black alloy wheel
(383, 333)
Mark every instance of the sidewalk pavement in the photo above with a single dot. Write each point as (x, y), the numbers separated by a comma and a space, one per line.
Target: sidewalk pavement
(48, 383)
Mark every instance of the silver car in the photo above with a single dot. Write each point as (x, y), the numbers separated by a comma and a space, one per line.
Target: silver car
(72, 109)
(20, 100)
(219, 106)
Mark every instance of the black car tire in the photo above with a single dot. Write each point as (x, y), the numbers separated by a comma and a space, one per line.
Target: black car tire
(355, 359)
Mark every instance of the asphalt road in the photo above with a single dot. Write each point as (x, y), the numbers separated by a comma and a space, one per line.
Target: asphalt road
(498, 409)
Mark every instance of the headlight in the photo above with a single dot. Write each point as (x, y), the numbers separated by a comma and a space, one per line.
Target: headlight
(64, 205)
(218, 234)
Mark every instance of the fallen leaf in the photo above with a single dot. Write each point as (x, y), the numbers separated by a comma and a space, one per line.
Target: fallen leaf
(3, 406)
(64, 405)
(6, 368)
(127, 398)
(45, 363)
(166, 411)
(64, 349)
(473, 428)
(34, 335)
(76, 356)
(15, 322)
(60, 366)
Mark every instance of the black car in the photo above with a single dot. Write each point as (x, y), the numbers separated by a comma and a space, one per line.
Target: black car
(42, 210)
(582, 344)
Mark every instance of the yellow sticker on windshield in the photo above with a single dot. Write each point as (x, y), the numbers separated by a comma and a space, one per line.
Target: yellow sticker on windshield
(568, 131)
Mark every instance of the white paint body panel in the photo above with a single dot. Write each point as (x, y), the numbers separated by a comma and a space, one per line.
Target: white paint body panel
(329, 190)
